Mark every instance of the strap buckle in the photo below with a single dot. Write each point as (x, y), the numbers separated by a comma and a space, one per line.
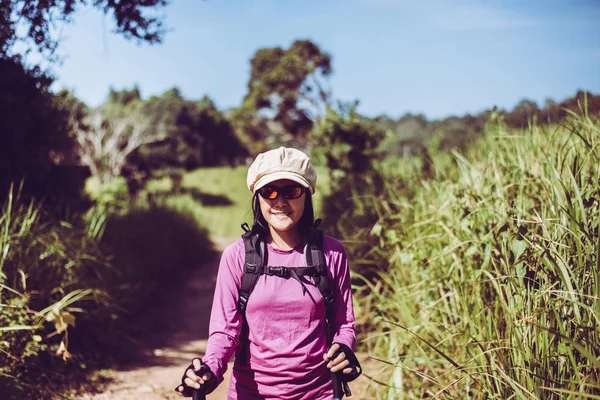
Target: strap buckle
(243, 302)
(283, 272)
(251, 268)
(329, 297)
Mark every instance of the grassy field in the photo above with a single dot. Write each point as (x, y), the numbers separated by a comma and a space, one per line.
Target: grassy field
(221, 199)
(226, 199)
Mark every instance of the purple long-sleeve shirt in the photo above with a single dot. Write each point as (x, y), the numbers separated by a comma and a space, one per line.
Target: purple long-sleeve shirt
(287, 329)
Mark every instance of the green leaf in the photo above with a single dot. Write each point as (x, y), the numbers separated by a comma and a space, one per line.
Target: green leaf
(518, 247)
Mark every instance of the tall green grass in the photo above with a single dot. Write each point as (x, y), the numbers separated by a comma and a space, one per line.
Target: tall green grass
(491, 284)
(48, 278)
(75, 295)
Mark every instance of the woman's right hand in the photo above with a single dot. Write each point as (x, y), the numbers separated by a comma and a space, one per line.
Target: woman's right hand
(196, 375)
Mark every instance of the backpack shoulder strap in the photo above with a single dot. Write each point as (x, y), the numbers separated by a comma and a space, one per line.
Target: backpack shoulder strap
(253, 267)
(255, 260)
(313, 253)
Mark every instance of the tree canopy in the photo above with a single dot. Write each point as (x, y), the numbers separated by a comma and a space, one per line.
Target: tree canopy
(290, 85)
(134, 19)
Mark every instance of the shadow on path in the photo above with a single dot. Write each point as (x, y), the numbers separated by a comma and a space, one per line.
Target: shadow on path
(180, 333)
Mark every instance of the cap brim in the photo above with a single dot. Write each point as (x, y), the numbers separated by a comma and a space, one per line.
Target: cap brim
(276, 176)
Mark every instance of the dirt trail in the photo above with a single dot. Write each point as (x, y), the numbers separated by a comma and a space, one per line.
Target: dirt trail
(184, 338)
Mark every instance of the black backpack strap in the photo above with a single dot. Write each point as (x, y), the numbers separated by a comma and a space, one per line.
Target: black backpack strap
(253, 268)
(313, 253)
(295, 273)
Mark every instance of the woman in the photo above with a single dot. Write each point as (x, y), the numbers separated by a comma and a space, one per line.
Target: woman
(287, 346)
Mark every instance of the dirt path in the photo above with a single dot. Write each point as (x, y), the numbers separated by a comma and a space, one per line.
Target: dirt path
(157, 375)
(185, 320)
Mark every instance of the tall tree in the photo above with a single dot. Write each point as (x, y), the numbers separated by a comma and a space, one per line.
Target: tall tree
(290, 86)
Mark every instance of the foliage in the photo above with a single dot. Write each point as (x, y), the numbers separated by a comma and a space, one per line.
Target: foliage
(489, 287)
(290, 85)
(140, 139)
(47, 268)
(201, 135)
(251, 128)
(105, 141)
(192, 134)
(346, 144)
(39, 19)
(34, 133)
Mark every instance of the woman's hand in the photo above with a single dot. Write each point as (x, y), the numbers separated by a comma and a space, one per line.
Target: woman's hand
(195, 376)
(338, 363)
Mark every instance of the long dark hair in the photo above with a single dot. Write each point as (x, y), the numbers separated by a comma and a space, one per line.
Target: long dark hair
(306, 222)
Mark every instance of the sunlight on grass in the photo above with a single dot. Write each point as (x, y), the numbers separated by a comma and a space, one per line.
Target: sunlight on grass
(223, 220)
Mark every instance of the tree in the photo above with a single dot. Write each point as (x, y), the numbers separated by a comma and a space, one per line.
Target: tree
(105, 143)
(37, 19)
(195, 134)
(290, 86)
(347, 143)
(34, 132)
(252, 129)
(522, 114)
(34, 124)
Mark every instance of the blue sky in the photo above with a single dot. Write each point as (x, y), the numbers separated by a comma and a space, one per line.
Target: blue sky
(438, 58)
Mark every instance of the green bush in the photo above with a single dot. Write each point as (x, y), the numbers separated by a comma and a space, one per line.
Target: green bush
(346, 144)
(73, 295)
(47, 265)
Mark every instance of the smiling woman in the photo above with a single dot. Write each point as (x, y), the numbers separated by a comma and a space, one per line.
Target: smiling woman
(293, 338)
(282, 207)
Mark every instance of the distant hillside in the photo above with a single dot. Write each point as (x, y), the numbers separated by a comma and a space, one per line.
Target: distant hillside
(408, 134)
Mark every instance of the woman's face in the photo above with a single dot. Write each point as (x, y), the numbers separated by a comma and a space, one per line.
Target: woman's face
(282, 214)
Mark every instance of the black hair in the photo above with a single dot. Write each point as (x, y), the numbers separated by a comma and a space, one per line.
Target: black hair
(305, 224)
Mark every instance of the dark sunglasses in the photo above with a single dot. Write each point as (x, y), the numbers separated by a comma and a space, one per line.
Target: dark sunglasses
(288, 192)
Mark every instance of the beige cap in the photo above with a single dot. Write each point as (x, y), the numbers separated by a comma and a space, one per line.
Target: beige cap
(281, 163)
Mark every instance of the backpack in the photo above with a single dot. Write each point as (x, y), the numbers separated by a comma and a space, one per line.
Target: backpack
(256, 264)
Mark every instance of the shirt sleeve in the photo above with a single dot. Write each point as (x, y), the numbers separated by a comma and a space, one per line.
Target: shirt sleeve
(342, 288)
(225, 319)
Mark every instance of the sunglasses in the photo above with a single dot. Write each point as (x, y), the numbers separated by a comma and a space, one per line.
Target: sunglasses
(288, 192)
